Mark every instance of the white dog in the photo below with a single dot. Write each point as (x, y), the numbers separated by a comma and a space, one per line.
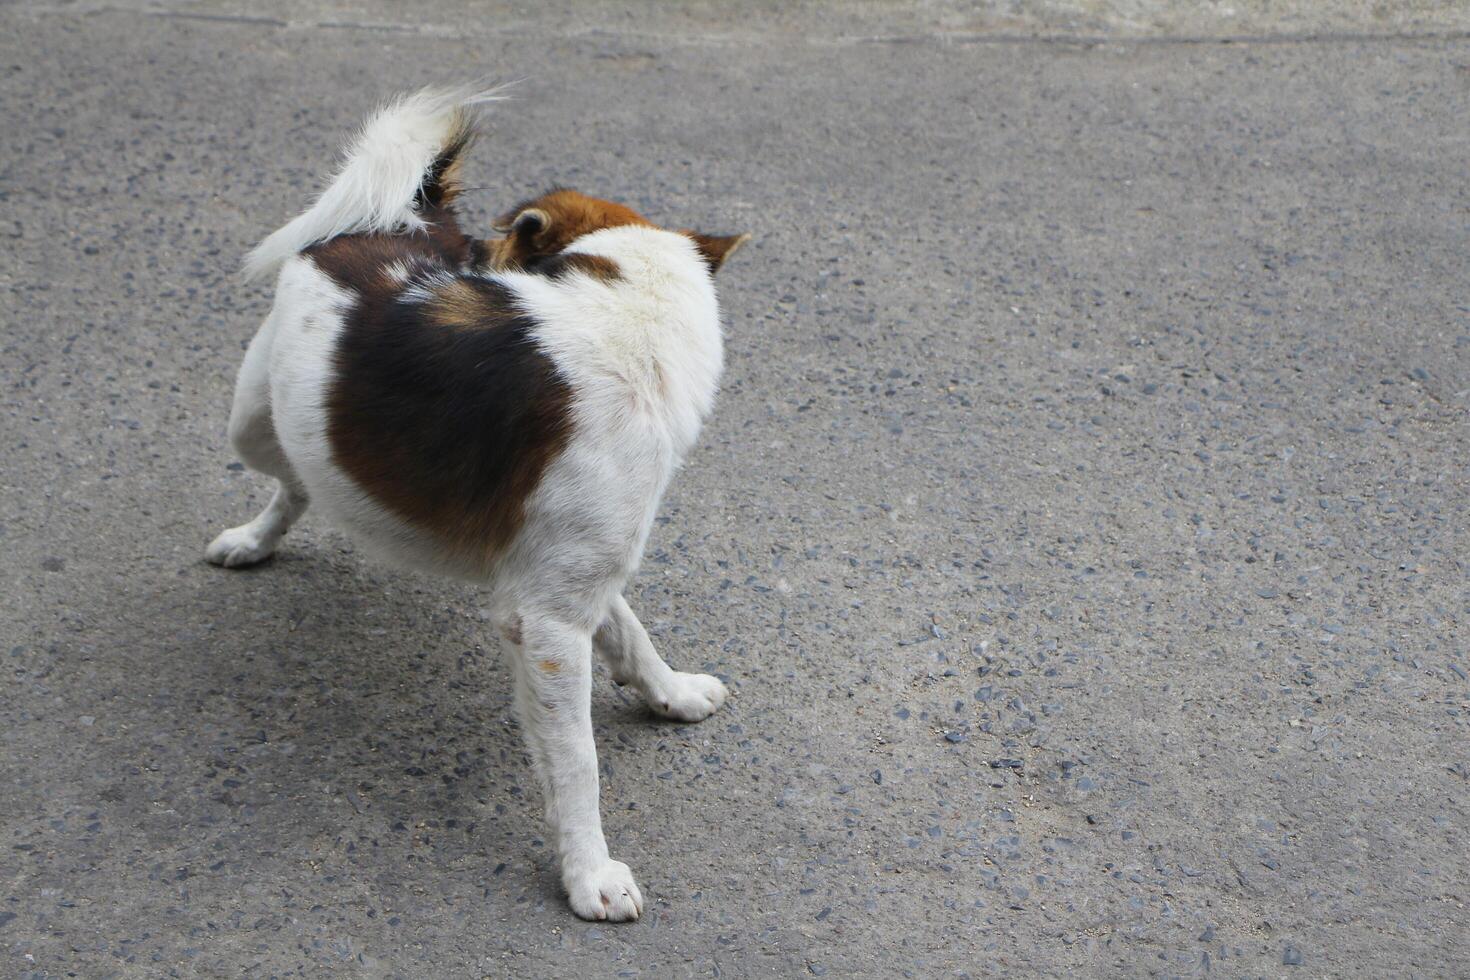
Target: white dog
(507, 411)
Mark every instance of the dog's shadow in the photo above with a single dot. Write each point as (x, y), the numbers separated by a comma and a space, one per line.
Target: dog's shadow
(322, 705)
(335, 706)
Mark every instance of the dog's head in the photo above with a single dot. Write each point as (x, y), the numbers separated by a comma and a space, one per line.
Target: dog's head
(542, 227)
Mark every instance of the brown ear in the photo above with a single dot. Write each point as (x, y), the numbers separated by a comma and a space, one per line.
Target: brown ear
(523, 224)
(717, 248)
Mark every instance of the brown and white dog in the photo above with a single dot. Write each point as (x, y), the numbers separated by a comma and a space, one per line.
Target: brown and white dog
(507, 411)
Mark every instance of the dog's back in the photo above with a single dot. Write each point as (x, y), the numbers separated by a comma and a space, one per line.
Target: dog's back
(423, 404)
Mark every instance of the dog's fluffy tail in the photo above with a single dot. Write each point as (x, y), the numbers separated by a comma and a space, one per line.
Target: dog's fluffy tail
(407, 158)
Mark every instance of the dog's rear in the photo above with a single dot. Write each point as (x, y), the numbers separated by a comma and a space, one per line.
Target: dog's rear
(403, 166)
(401, 174)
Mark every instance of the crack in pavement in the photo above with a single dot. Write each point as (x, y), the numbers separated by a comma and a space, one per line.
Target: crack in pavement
(938, 38)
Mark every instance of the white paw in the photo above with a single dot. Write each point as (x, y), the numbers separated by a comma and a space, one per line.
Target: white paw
(237, 547)
(607, 892)
(687, 697)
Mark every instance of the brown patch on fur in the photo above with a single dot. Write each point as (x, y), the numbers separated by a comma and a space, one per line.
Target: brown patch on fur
(544, 226)
(539, 230)
(456, 304)
(660, 380)
(361, 262)
(444, 234)
(449, 429)
(596, 266)
(549, 666)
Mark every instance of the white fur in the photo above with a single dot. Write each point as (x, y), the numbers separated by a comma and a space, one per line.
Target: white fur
(642, 356)
(383, 173)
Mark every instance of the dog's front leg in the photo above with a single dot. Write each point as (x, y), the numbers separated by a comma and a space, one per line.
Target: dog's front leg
(554, 699)
(630, 655)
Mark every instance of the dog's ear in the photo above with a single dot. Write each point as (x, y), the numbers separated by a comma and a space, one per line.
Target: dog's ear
(526, 224)
(715, 249)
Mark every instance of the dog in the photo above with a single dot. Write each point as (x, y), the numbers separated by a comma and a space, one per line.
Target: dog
(505, 410)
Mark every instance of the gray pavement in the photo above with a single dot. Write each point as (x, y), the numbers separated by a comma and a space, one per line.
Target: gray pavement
(1082, 529)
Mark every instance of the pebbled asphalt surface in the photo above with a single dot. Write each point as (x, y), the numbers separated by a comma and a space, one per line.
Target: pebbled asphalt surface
(1082, 529)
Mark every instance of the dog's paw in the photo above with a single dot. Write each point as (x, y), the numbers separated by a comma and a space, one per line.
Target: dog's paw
(607, 892)
(687, 697)
(238, 547)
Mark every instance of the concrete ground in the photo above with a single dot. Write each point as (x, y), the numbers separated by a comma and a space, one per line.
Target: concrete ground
(1082, 530)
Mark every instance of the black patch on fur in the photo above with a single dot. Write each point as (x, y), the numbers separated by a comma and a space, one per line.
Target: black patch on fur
(436, 192)
(562, 264)
(450, 428)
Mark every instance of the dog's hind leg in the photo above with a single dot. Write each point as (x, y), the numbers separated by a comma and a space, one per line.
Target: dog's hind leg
(630, 655)
(253, 435)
